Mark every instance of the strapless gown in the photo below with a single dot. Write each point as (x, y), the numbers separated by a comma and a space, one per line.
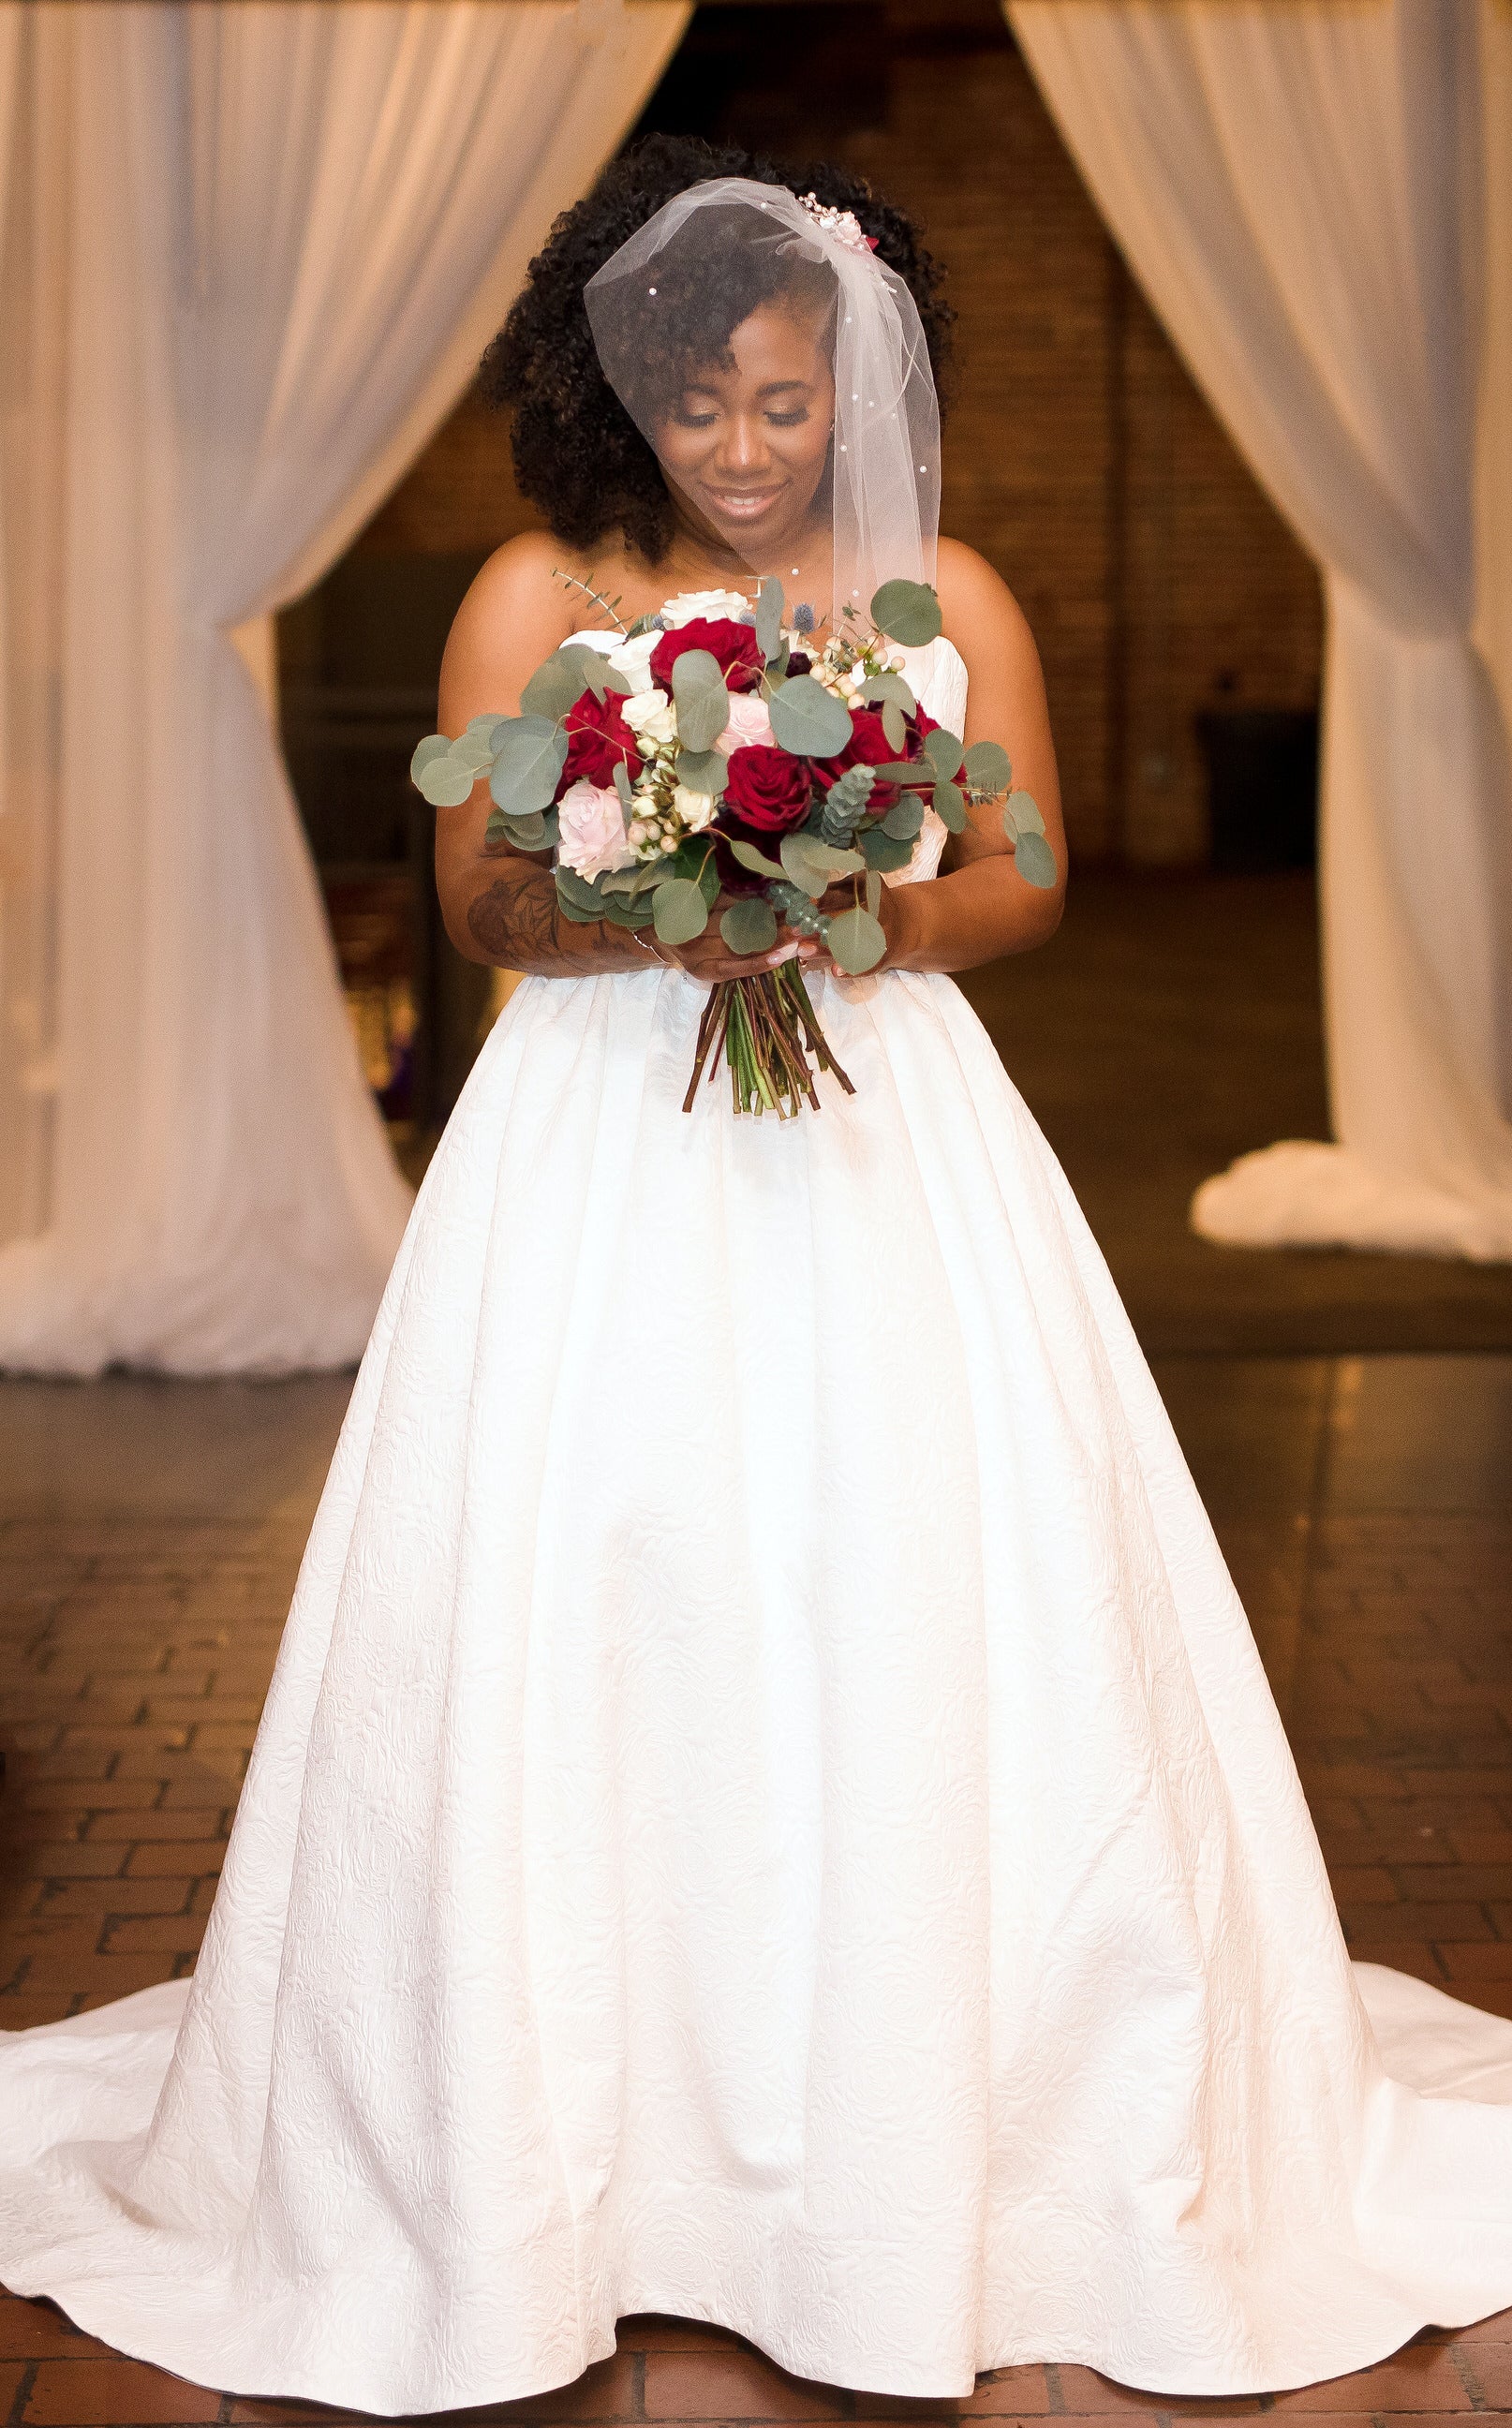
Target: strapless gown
(769, 1809)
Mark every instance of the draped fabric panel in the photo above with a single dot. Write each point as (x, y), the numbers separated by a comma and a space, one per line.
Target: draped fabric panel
(255, 257)
(1307, 192)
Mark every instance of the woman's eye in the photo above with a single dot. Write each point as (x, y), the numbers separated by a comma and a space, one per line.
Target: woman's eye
(788, 420)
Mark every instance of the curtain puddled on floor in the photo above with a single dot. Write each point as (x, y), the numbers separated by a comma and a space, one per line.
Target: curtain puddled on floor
(1317, 197)
(249, 256)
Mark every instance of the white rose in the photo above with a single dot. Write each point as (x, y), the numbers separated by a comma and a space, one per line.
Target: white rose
(650, 719)
(748, 722)
(591, 830)
(689, 605)
(633, 659)
(694, 809)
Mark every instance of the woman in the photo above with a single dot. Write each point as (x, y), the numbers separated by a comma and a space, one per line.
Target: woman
(768, 1808)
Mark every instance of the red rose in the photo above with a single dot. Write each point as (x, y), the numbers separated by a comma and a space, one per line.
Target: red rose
(767, 790)
(599, 740)
(868, 746)
(735, 647)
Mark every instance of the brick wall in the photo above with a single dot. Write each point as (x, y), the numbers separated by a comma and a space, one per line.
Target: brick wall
(1079, 456)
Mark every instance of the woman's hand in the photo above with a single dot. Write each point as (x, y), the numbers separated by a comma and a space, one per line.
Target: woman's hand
(709, 958)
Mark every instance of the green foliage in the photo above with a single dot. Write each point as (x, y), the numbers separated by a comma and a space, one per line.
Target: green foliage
(1021, 814)
(436, 745)
(891, 686)
(904, 819)
(807, 719)
(908, 612)
(844, 803)
(750, 925)
(943, 752)
(812, 864)
(874, 891)
(703, 771)
(950, 806)
(893, 724)
(756, 861)
(856, 941)
(1034, 860)
(769, 604)
(987, 768)
(528, 765)
(679, 908)
(446, 782)
(702, 701)
(879, 851)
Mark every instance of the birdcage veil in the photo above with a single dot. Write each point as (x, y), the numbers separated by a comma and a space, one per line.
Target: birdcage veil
(677, 290)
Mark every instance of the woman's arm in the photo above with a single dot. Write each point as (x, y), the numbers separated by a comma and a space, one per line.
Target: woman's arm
(980, 907)
(500, 905)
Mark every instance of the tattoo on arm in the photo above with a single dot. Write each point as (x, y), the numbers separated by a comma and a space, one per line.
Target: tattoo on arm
(518, 922)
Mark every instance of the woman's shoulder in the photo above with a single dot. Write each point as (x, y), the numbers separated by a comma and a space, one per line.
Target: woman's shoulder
(973, 593)
(980, 613)
(520, 587)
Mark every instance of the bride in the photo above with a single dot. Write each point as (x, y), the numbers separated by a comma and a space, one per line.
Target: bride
(768, 1808)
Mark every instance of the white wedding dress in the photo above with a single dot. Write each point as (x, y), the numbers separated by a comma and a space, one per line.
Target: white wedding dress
(769, 1809)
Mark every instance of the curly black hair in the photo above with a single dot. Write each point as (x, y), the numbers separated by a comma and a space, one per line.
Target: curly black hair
(578, 454)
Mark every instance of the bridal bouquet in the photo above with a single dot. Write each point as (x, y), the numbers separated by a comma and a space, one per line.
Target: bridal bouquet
(715, 748)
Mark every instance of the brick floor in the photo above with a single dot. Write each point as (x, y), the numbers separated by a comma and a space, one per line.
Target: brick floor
(1369, 1527)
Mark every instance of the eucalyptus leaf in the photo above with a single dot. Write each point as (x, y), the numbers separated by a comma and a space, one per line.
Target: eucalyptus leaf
(622, 785)
(943, 752)
(856, 941)
(694, 859)
(881, 851)
(874, 891)
(906, 771)
(893, 724)
(756, 861)
(488, 724)
(987, 767)
(576, 890)
(889, 684)
(908, 612)
(556, 687)
(950, 806)
(473, 750)
(621, 880)
(807, 719)
(768, 631)
(446, 783)
(750, 925)
(436, 745)
(904, 819)
(1025, 812)
(528, 765)
(1035, 860)
(622, 914)
(680, 909)
(703, 771)
(616, 681)
(527, 834)
(702, 703)
(834, 860)
(799, 868)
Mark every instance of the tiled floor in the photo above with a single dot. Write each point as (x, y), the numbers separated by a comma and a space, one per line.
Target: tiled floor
(148, 1539)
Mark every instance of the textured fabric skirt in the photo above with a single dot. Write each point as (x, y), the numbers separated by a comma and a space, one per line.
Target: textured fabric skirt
(769, 1809)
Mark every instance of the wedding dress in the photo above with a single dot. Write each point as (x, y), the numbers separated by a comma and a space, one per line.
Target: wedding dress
(769, 1809)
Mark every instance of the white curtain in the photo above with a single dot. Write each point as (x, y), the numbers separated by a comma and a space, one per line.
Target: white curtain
(1315, 194)
(250, 255)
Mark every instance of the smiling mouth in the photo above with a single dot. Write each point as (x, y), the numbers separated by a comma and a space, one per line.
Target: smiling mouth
(743, 505)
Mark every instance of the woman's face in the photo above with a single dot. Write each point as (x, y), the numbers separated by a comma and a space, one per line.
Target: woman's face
(745, 447)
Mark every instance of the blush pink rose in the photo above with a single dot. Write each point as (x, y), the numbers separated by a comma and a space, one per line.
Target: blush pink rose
(593, 831)
(748, 723)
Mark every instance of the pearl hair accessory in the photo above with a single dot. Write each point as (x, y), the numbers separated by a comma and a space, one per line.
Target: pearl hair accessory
(843, 225)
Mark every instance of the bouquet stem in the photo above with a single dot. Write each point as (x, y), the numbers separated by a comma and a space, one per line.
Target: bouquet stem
(767, 1027)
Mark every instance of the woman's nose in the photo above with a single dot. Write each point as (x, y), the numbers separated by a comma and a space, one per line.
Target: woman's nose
(743, 445)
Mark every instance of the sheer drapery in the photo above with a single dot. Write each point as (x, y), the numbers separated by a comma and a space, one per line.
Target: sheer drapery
(1307, 193)
(252, 254)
